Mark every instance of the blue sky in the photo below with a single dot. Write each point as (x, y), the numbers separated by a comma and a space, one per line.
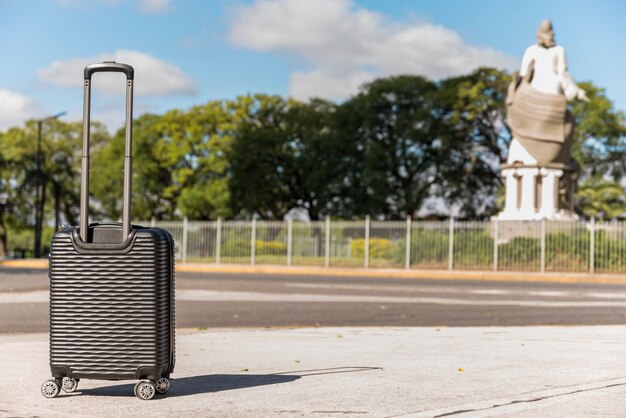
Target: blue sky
(189, 52)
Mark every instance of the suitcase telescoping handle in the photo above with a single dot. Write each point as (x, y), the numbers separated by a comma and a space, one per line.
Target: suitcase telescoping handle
(106, 66)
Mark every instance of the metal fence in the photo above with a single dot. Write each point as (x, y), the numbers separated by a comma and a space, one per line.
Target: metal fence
(540, 246)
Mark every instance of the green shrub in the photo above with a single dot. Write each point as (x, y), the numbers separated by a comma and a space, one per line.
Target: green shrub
(522, 249)
(240, 247)
(20, 239)
(379, 248)
(271, 248)
(237, 247)
(428, 247)
(473, 249)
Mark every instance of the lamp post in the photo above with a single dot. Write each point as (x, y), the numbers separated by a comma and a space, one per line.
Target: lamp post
(39, 197)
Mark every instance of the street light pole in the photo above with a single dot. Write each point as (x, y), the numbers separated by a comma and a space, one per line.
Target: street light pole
(37, 249)
(39, 192)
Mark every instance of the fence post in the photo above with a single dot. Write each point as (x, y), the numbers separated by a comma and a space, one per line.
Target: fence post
(592, 246)
(152, 222)
(407, 251)
(253, 242)
(218, 241)
(289, 235)
(451, 245)
(184, 249)
(496, 234)
(543, 245)
(327, 244)
(366, 261)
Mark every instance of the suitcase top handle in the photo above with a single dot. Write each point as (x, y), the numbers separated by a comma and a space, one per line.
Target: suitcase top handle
(111, 67)
(106, 66)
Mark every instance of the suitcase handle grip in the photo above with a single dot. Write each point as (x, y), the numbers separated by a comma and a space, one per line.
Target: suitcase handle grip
(106, 66)
(109, 67)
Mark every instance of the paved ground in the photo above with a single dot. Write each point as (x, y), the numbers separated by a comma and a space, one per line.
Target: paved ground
(242, 300)
(381, 363)
(330, 372)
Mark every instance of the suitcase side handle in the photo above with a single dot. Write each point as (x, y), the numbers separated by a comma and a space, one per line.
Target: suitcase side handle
(106, 66)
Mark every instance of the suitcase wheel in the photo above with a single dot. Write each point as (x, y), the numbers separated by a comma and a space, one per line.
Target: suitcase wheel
(50, 388)
(162, 385)
(145, 390)
(69, 384)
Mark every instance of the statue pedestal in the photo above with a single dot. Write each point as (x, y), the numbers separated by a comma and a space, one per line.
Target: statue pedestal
(535, 192)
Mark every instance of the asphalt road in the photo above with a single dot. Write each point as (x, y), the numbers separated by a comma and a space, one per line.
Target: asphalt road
(240, 300)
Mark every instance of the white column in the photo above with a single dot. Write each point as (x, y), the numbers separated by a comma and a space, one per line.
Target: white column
(549, 190)
(529, 185)
(510, 202)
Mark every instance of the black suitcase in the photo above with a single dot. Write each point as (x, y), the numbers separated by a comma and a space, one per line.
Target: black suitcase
(111, 288)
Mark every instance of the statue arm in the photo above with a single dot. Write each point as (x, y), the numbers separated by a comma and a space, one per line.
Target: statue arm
(569, 86)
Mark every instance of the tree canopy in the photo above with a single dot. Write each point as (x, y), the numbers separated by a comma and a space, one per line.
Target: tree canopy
(398, 144)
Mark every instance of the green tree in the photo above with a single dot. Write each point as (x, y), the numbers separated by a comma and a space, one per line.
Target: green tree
(399, 150)
(600, 198)
(151, 174)
(195, 145)
(179, 165)
(60, 168)
(600, 135)
(473, 108)
(62, 157)
(16, 163)
(4, 200)
(285, 156)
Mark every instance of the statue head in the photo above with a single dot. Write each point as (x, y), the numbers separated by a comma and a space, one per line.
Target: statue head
(545, 34)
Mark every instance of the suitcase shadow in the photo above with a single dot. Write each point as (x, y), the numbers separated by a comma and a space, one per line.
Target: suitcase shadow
(220, 382)
(196, 385)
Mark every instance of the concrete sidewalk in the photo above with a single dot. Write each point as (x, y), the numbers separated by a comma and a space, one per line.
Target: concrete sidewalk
(513, 371)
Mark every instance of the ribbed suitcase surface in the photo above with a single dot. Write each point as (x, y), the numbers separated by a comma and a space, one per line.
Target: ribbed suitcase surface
(112, 310)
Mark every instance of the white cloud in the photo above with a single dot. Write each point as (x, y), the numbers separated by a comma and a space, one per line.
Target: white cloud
(331, 86)
(15, 109)
(153, 77)
(155, 6)
(345, 44)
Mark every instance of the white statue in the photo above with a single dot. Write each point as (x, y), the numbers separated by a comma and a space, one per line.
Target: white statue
(540, 173)
(537, 115)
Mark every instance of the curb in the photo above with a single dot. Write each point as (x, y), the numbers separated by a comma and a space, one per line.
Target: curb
(409, 274)
(380, 273)
(40, 263)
